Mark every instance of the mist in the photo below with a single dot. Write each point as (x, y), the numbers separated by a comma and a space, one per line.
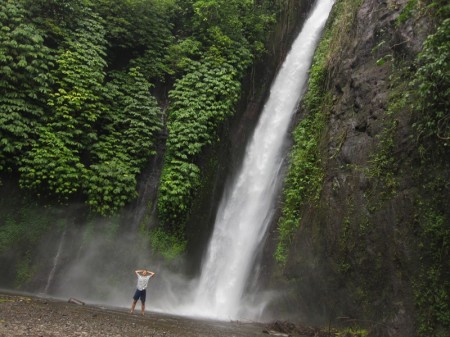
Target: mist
(103, 270)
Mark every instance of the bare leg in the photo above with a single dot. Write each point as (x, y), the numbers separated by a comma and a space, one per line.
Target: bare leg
(142, 308)
(132, 306)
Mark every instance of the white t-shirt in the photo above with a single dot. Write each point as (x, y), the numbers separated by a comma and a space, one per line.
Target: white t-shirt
(142, 281)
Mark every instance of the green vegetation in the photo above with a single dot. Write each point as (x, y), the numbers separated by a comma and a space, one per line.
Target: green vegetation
(429, 84)
(78, 120)
(429, 89)
(352, 332)
(432, 81)
(24, 270)
(383, 165)
(225, 37)
(422, 87)
(21, 231)
(432, 284)
(201, 100)
(168, 245)
(407, 12)
(25, 82)
(23, 228)
(304, 179)
(419, 88)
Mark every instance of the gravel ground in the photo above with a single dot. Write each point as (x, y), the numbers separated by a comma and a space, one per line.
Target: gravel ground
(35, 317)
(31, 316)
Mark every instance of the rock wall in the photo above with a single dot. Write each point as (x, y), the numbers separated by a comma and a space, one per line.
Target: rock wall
(354, 258)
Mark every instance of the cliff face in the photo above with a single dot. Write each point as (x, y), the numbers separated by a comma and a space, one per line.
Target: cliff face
(364, 253)
(222, 159)
(357, 257)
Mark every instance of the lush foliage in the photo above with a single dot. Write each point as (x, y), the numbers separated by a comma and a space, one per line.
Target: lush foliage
(225, 36)
(201, 100)
(76, 119)
(432, 81)
(54, 158)
(139, 32)
(24, 82)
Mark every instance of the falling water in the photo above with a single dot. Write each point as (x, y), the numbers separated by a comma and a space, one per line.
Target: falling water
(55, 262)
(245, 212)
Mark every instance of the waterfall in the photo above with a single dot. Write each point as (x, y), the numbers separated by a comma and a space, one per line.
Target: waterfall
(55, 262)
(246, 210)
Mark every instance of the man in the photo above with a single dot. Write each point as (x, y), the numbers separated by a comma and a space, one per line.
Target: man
(143, 277)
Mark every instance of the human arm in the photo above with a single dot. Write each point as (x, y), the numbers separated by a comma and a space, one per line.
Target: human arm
(141, 271)
(150, 273)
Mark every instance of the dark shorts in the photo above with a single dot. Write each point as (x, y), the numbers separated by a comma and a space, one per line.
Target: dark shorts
(140, 294)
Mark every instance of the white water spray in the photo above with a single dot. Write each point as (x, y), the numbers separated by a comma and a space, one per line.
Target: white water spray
(55, 262)
(245, 213)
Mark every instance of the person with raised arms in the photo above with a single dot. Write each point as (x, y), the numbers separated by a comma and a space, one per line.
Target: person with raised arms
(142, 282)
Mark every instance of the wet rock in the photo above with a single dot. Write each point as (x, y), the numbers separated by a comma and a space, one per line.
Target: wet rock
(74, 300)
(355, 245)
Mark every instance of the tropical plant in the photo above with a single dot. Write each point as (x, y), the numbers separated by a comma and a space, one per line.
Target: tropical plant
(127, 139)
(24, 82)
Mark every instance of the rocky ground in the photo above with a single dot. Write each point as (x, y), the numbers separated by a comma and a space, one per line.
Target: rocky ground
(42, 317)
